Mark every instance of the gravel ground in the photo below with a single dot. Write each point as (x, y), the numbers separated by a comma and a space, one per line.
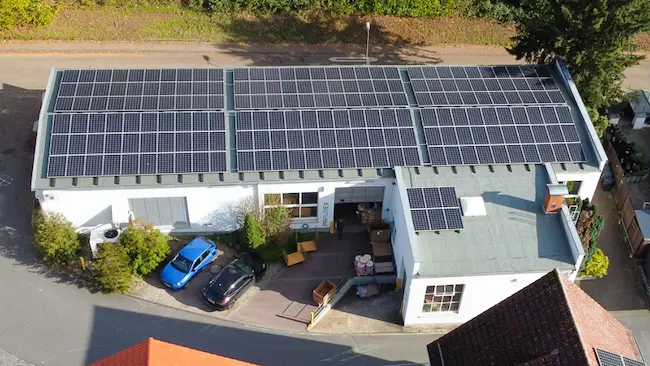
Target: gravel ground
(7, 359)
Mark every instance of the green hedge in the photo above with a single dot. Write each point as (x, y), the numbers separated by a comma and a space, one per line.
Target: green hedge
(14, 13)
(406, 8)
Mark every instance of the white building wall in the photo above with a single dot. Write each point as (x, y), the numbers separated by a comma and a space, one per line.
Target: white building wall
(325, 198)
(480, 293)
(210, 209)
(589, 182)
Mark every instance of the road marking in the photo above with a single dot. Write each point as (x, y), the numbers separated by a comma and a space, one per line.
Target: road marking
(5, 180)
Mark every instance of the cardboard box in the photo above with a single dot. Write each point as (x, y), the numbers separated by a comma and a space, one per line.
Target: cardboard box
(379, 232)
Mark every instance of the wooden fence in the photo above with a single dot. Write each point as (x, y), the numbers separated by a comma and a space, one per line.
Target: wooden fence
(623, 203)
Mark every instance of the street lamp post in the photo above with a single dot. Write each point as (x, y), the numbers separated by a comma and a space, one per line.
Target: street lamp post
(367, 42)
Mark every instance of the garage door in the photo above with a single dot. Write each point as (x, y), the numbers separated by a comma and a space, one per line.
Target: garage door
(359, 194)
(161, 211)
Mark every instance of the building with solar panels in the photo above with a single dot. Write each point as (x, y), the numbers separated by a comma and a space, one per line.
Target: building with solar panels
(457, 159)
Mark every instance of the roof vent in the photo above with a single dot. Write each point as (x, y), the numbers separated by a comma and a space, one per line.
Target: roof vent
(473, 206)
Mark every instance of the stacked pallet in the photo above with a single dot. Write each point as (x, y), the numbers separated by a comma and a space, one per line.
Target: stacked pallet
(382, 251)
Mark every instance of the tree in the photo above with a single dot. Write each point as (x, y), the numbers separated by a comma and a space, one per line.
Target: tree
(594, 37)
(253, 236)
(145, 245)
(56, 238)
(597, 266)
(599, 121)
(112, 269)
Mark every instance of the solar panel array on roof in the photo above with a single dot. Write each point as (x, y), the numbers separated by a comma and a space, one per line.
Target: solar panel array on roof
(153, 121)
(501, 135)
(137, 122)
(325, 139)
(111, 144)
(318, 87)
(135, 90)
(434, 208)
(484, 85)
(612, 359)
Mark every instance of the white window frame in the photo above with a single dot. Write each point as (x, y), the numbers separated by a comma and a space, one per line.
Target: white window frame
(300, 205)
(573, 195)
(442, 298)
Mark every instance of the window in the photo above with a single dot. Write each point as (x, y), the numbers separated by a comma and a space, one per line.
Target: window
(442, 298)
(573, 187)
(301, 205)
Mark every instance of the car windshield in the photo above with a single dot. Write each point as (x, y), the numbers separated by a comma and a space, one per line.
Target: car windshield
(242, 266)
(182, 264)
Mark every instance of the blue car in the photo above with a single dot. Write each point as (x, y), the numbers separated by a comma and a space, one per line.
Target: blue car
(195, 256)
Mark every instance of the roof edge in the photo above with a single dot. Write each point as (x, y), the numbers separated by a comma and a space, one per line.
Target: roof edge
(39, 153)
(594, 141)
(574, 321)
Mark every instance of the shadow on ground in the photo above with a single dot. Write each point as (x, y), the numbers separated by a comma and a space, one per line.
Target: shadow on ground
(114, 330)
(320, 29)
(19, 109)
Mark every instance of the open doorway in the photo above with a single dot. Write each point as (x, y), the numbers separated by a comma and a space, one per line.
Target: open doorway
(358, 206)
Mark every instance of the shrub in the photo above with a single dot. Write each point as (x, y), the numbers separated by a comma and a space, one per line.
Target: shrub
(112, 269)
(56, 238)
(276, 224)
(632, 161)
(597, 266)
(253, 235)
(145, 245)
(14, 13)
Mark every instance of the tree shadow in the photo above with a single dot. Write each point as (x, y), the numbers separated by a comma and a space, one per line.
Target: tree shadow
(318, 29)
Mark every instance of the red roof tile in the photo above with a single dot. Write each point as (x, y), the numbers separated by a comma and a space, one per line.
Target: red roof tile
(153, 352)
(549, 322)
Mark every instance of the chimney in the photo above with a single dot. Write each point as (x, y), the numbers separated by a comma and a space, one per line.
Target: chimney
(554, 197)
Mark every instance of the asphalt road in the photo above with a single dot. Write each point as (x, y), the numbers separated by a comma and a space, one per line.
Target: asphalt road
(47, 320)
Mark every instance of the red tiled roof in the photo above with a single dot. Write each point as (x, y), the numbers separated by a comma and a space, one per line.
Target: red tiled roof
(153, 352)
(549, 322)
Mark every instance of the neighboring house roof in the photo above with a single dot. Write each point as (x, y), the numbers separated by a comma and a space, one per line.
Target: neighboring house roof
(514, 236)
(640, 102)
(549, 322)
(140, 162)
(153, 352)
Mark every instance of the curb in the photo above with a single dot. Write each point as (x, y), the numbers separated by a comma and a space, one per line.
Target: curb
(193, 47)
(276, 330)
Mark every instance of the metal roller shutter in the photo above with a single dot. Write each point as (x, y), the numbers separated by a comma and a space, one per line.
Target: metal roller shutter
(161, 211)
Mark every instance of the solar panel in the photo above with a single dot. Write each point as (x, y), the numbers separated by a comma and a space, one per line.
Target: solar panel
(606, 358)
(107, 144)
(512, 85)
(330, 139)
(318, 87)
(138, 90)
(500, 135)
(434, 208)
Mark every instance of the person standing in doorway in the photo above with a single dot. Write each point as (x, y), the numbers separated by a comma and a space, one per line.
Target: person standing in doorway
(339, 228)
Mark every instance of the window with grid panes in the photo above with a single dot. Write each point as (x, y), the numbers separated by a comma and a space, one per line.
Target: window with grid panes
(442, 298)
(301, 205)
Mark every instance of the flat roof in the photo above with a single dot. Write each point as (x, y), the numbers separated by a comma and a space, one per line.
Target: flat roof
(515, 236)
(233, 176)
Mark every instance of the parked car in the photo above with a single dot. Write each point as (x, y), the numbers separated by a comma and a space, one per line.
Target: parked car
(193, 258)
(234, 279)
